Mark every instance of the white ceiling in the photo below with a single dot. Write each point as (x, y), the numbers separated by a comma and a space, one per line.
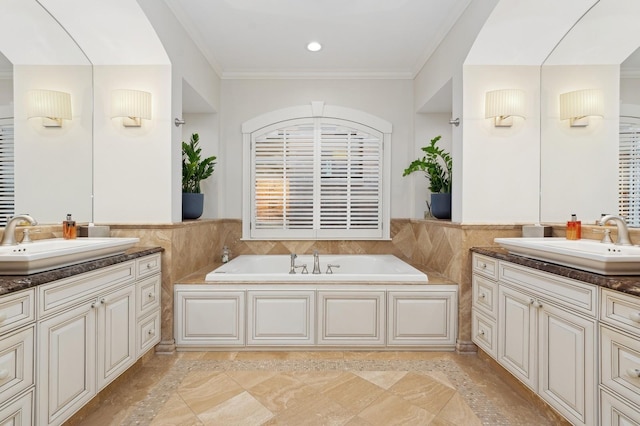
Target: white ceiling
(360, 38)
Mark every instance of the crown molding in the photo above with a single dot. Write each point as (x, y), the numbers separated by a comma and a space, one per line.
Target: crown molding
(316, 75)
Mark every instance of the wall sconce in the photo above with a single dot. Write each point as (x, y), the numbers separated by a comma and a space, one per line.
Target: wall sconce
(503, 105)
(50, 105)
(132, 106)
(577, 106)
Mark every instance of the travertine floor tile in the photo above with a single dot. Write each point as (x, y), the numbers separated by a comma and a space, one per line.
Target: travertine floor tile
(384, 379)
(458, 412)
(390, 410)
(242, 409)
(248, 379)
(175, 412)
(354, 394)
(316, 411)
(202, 391)
(281, 392)
(423, 391)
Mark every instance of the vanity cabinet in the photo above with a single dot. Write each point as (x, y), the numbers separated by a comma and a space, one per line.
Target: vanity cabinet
(546, 333)
(88, 333)
(17, 344)
(620, 358)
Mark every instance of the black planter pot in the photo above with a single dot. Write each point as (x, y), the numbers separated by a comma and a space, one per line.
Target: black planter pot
(192, 205)
(441, 206)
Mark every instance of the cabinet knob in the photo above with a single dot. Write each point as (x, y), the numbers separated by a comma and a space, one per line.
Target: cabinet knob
(94, 305)
(481, 333)
(633, 372)
(483, 265)
(103, 301)
(151, 332)
(149, 266)
(634, 316)
(483, 295)
(3, 316)
(151, 295)
(4, 374)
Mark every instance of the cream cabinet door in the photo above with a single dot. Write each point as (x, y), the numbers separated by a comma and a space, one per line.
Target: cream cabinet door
(351, 318)
(18, 412)
(422, 318)
(116, 334)
(517, 335)
(209, 318)
(567, 363)
(281, 317)
(66, 378)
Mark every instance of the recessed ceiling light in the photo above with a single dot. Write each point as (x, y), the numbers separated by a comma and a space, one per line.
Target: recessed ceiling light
(314, 46)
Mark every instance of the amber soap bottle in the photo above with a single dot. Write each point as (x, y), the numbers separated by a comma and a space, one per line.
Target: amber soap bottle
(69, 229)
(574, 228)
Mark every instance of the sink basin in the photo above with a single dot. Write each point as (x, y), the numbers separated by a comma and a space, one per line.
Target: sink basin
(589, 255)
(44, 255)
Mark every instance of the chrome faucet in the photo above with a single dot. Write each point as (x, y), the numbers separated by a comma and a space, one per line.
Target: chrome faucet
(623, 232)
(9, 236)
(292, 270)
(316, 262)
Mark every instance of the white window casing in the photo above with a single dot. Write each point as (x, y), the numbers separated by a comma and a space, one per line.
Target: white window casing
(316, 172)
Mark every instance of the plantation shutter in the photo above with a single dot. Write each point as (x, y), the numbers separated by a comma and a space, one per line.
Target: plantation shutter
(629, 172)
(7, 182)
(283, 184)
(317, 179)
(350, 182)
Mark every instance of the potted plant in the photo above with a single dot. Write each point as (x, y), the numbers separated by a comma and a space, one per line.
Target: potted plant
(436, 165)
(194, 170)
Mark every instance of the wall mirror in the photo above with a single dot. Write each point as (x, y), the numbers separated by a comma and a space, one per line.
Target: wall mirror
(52, 166)
(579, 166)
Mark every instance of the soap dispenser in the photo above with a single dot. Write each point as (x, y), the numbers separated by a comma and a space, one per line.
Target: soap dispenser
(574, 228)
(69, 229)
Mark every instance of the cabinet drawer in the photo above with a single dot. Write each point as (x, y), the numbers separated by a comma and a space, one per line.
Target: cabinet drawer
(485, 295)
(484, 333)
(148, 265)
(620, 310)
(620, 358)
(18, 412)
(16, 363)
(147, 295)
(148, 333)
(485, 265)
(17, 309)
(615, 412)
(569, 293)
(65, 293)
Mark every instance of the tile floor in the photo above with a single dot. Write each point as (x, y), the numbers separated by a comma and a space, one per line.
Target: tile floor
(314, 388)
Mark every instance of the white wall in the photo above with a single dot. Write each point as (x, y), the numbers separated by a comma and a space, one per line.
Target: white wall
(501, 164)
(579, 164)
(53, 164)
(132, 165)
(242, 100)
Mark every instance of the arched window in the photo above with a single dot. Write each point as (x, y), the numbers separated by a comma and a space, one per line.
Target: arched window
(323, 176)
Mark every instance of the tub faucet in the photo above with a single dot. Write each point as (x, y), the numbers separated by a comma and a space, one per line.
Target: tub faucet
(623, 231)
(316, 262)
(292, 270)
(9, 236)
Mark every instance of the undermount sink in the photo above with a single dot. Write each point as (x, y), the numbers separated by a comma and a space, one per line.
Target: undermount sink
(44, 255)
(589, 255)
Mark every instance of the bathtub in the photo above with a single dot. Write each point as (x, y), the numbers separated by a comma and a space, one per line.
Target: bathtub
(354, 268)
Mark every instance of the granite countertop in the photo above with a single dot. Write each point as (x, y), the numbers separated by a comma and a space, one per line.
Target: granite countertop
(199, 276)
(625, 283)
(13, 283)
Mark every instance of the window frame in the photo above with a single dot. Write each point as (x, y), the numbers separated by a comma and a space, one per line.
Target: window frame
(332, 114)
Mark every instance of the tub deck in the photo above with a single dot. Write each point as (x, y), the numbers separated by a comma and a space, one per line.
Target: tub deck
(198, 277)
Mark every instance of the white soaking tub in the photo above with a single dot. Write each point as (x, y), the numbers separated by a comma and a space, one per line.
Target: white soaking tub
(353, 268)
